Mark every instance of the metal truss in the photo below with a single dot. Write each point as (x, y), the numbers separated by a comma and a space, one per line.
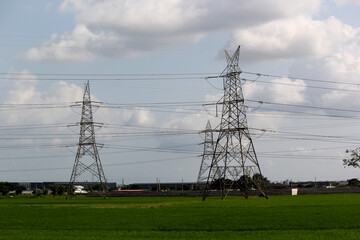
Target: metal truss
(206, 156)
(87, 158)
(234, 153)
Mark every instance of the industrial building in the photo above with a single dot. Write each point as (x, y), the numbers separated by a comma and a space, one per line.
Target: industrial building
(46, 185)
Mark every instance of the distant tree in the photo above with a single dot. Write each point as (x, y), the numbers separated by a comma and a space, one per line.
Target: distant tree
(354, 182)
(6, 187)
(97, 187)
(37, 193)
(53, 189)
(244, 183)
(61, 189)
(58, 189)
(354, 160)
(45, 191)
(19, 190)
(258, 178)
(300, 185)
(218, 183)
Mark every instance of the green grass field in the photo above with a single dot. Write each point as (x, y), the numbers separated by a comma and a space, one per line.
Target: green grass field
(280, 217)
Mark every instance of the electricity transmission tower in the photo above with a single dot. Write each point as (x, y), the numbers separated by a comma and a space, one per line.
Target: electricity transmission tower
(234, 160)
(87, 160)
(207, 155)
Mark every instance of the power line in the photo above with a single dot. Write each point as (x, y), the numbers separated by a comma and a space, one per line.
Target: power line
(106, 165)
(190, 103)
(32, 126)
(195, 76)
(306, 150)
(307, 86)
(151, 132)
(302, 157)
(151, 149)
(171, 105)
(34, 157)
(287, 138)
(312, 114)
(300, 78)
(103, 74)
(292, 84)
(297, 105)
(206, 74)
(205, 103)
(304, 106)
(170, 79)
(105, 79)
(304, 134)
(32, 146)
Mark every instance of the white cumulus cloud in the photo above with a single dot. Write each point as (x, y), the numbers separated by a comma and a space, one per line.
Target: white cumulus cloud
(347, 2)
(129, 28)
(293, 38)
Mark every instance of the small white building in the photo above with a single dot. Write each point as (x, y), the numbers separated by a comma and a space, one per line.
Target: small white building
(80, 189)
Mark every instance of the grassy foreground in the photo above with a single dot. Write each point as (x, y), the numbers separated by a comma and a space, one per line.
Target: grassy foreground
(280, 217)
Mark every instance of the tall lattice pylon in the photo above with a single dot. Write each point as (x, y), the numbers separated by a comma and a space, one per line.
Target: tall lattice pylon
(206, 156)
(234, 159)
(87, 160)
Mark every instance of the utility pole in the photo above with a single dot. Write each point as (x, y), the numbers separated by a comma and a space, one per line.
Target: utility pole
(206, 156)
(234, 159)
(87, 158)
(157, 184)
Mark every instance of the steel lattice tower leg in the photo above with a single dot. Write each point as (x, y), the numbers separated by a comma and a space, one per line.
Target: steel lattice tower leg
(234, 159)
(207, 155)
(87, 158)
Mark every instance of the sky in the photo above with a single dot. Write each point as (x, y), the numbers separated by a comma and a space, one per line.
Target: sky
(148, 63)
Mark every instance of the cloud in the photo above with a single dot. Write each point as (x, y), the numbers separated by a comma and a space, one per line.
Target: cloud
(323, 49)
(293, 38)
(346, 2)
(24, 91)
(130, 28)
(53, 122)
(24, 87)
(341, 70)
(287, 91)
(132, 117)
(79, 45)
(170, 16)
(280, 90)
